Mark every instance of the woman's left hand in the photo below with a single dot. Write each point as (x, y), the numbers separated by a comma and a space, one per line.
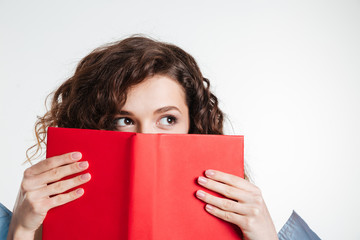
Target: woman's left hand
(243, 206)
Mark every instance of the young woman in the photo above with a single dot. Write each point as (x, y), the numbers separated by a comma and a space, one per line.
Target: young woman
(138, 85)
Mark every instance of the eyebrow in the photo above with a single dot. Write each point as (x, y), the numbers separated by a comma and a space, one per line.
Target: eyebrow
(157, 111)
(167, 108)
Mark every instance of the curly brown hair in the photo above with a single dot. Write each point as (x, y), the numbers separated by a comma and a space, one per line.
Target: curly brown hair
(97, 91)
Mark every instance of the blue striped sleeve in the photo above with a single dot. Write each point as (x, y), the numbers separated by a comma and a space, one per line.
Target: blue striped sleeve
(5, 217)
(296, 229)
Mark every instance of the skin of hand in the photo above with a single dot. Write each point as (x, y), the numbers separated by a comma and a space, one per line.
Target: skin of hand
(41, 191)
(243, 204)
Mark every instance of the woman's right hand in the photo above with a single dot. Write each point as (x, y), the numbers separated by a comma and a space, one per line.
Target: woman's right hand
(41, 191)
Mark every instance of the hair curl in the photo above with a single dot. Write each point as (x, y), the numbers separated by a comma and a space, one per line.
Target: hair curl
(97, 91)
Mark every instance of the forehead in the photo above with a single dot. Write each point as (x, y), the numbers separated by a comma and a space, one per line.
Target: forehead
(155, 92)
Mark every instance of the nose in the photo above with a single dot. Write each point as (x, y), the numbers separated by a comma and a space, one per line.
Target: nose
(146, 128)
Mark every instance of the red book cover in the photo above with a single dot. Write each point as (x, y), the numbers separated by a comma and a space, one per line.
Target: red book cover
(143, 185)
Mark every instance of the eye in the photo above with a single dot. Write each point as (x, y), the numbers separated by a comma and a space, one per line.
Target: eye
(168, 120)
(124, 121)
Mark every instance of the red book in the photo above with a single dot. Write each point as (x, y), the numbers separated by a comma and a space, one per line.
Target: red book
(143, 185)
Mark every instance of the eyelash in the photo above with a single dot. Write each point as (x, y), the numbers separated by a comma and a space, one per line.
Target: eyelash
(116, 121)
(173, 120)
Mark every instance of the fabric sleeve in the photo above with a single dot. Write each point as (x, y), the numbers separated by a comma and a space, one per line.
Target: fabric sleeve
(296, 229)
(5, 217)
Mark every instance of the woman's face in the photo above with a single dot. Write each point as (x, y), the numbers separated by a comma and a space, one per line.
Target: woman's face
(156, 105)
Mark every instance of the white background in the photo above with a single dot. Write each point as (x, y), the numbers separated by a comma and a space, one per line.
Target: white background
(287, 74)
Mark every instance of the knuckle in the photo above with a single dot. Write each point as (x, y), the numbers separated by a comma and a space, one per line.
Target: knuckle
(55, 172)
(30, 197)
(58, 187)
(67, 157)
(63, 198)
(37, 208)
(229, 191)
(59, 199)
(228, 216)
(248, 223)
(24, 186)
(258, 200)
(255, 211)
(75, 167)
(28, 172)
(228, 204)
(63, 159)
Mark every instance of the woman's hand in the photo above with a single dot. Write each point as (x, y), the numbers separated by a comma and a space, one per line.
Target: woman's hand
(41, 190)
(243, 206)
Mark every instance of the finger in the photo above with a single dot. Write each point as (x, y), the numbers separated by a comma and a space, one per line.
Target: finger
(225, 190)
(52, 162)
(62, 186)
(58, 173)
(230, 179)
(223, 203)
(34, 182)
(225, 215)
(64, 198)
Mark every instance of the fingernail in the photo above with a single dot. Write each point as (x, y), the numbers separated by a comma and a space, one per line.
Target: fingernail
(202, 180)
(80, 191)
(76, 155)
(209, 173)
(85, 176)
(209, 207)
(84, 164)
(200, 194)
